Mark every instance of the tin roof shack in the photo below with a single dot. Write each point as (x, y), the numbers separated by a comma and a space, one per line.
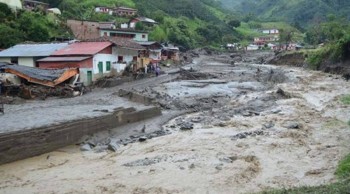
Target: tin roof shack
(171, 52)
(146, 21)
(154, 50)
(28, 54)
(31, 5)
(93, 59)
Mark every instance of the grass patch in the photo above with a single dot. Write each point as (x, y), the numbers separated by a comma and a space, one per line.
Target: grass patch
(336, 188)
(345, 99)
(343, 170)
(334, 123)
(342, 186)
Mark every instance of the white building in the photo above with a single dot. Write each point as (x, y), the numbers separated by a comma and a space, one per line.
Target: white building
(28, 54)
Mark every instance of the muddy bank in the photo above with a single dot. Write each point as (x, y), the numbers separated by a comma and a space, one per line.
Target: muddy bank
(295, 59)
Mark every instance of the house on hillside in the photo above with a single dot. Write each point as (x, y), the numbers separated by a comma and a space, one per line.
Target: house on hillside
(87, 30)
(103, 9)
(124, 33)
(29, 54)
(143, 20)
(262, 40)
(119, 11)
(125, 11)
(30, 5)
(13, 4)
(272, 31)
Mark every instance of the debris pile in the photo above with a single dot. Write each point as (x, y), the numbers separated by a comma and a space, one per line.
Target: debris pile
(30, 82)
(192, 74)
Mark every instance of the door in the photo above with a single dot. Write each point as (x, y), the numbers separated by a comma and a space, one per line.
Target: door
(100, 67)
(89, 77)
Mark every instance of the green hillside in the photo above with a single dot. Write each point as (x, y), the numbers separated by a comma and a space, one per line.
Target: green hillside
(304, 12)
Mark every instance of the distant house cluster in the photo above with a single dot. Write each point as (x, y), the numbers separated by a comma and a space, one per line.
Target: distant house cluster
(118, 11)
(83, 30)
(30, 5)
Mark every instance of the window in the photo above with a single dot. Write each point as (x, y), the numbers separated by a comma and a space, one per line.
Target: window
(100, 67)
(120, 59)
(14, 60)
(108, 66)
(143, 35)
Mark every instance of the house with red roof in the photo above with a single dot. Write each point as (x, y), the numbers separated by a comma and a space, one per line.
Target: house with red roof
(94, 59)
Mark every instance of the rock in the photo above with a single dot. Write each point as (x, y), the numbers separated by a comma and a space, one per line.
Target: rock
(196, 120)
(276, 111)
(293, 125)
(246, 114)
(85, 147)
(222, 124)
(186, 126)
(113, 146)
(182, 168)
(100, 148)
(233, 158)
(218, 167)
(269, 125)
(143, 139)
(192, 166)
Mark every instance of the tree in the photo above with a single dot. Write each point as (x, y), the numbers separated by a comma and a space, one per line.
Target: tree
(234, 23)
(286, 36)
(9, 36)
(158, 34)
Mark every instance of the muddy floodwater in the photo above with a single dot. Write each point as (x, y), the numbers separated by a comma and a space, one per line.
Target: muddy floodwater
(226, 128)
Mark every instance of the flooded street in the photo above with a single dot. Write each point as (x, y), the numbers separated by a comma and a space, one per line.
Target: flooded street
(230, 128)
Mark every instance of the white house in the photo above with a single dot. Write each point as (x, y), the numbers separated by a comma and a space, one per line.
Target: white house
(270, 31)
(13, 4)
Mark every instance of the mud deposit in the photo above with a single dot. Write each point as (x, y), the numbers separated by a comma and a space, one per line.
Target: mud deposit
(247, 128)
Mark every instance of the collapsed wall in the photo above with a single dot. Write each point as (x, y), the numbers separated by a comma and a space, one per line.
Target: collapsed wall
(28, 143)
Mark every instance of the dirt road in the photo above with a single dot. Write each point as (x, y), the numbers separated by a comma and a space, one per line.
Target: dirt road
(255, 127)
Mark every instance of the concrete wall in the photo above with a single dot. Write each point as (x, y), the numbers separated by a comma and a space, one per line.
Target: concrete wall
(7, 60)
(23, 144)
(25, 61)
(127, 54)
(59, 65)
(139, 36)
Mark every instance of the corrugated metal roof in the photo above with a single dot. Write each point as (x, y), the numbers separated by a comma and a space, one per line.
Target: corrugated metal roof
(146, 43)
(32, 50)
(42, 74)
(83, 48)
(63, 59)
(120, 42)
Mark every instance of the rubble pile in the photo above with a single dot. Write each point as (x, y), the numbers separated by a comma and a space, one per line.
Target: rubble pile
(194, 75)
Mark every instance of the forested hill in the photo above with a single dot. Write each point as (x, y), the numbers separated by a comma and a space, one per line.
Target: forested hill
(294, 11)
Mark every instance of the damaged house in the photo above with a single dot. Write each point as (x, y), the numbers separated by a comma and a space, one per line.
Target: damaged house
(154, 50)
(32, 82)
